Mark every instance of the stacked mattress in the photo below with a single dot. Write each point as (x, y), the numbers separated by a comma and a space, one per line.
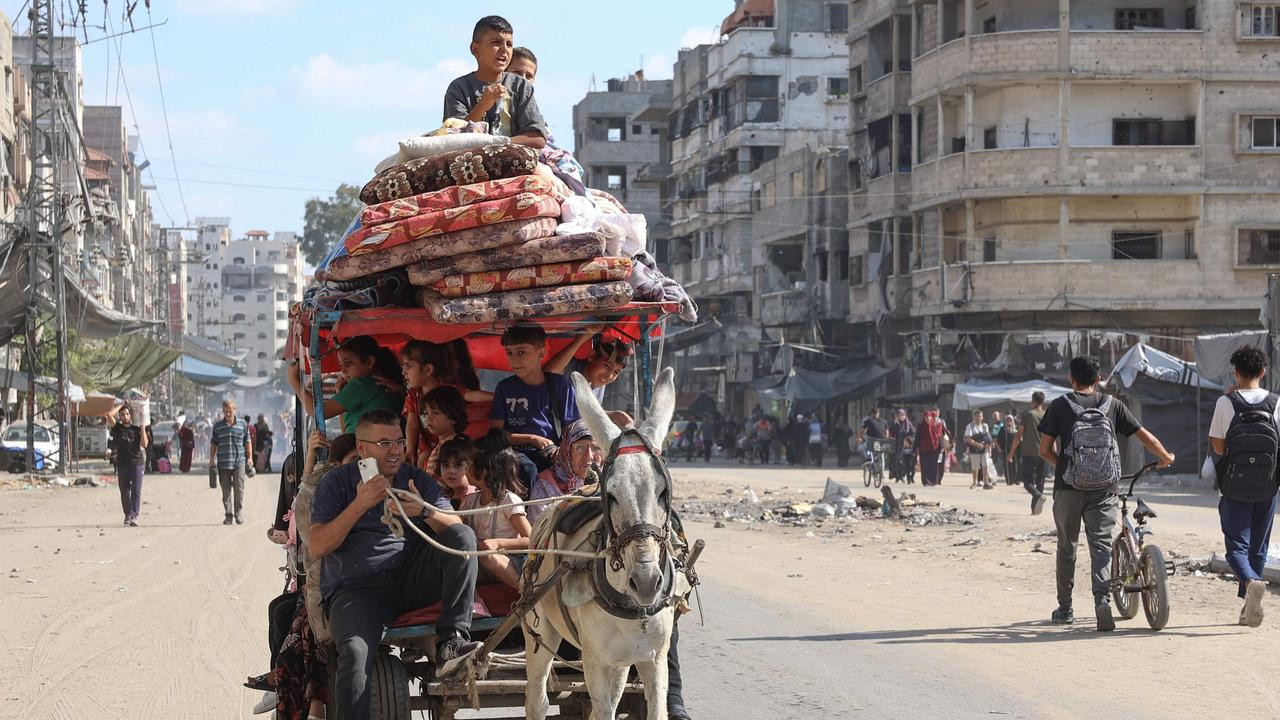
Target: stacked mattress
(475, 232)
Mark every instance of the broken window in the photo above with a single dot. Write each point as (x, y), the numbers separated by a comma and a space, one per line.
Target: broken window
(1134, 18)
(761, 154)
(761, 94)
(857, 272)
(837, 17)
(989, 25)
(1264, 21)
(837, 88)
(1264, 131)
(989, 138)
(823, 260)
(855, 80)
(989, 247)
(1140, 245)
(1259, 246)
(842, 263)
(1146, 131)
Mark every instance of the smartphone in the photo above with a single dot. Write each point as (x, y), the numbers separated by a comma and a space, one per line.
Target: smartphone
(368, 468)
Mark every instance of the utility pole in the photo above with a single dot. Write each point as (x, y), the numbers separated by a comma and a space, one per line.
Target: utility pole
(45, 220)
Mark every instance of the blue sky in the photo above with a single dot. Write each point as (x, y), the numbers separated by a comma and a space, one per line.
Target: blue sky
(271, 102)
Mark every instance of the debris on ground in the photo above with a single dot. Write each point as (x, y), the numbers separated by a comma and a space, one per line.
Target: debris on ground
(971, 542)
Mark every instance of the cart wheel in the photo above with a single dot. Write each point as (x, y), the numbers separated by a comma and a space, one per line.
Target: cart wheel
(1155, 587)
(389, 688)
(1124, 572)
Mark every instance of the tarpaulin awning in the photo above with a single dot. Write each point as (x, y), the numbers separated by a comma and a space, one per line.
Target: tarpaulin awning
(206, 351)
(89, 318)
(977, 394)
(203, 373)
(687, 337)
(814, 387)
(1213, 352)
(129, 362)
(20, 381)
(1145, 360)
(1169, 410)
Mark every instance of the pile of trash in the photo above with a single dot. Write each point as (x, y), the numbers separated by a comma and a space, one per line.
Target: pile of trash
(837, 503)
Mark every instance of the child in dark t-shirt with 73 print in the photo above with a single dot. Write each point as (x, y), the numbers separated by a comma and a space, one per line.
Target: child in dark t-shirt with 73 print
(532, 406)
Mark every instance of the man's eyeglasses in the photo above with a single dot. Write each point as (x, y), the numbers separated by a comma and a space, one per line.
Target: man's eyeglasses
(386, 444)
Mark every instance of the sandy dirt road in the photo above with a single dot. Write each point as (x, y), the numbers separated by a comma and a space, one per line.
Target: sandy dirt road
(867, 620)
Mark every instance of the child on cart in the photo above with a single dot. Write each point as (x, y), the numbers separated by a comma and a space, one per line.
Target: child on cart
(494, 468)
(532, 407)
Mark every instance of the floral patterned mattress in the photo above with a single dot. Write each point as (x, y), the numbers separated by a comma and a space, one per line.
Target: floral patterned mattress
(455, 196)
(461, 167)
(601, 269)
(523, 304)
(485, 237)
(540, 251)
(488, 212)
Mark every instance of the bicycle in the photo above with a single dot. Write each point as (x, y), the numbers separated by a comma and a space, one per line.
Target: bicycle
(873, 467)
(1136, 567)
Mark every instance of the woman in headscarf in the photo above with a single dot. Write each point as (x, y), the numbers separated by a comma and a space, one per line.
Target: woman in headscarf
(186, 445)
(576, 462)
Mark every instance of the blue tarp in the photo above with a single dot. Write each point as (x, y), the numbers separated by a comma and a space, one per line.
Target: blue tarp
(203, 373)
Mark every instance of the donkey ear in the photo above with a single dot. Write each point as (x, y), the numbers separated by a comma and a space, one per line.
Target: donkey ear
(657, 420)
(597, 420)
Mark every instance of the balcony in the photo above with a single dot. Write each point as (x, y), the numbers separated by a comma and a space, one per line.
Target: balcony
(1109, 52)
(882, 92)
(1060, 285)
(1033, 171)
(788, 307)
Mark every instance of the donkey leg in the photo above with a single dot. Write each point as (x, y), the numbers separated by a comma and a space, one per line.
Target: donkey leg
(604, 685)
(538, 659)
(654, 677)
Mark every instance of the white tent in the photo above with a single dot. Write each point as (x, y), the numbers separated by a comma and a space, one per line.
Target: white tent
(974, 395)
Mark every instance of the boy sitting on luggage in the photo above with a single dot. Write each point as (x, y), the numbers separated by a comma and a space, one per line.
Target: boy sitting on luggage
(532, 406)
(491, 94)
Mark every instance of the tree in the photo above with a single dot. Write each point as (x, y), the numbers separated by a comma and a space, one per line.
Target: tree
(326, 221)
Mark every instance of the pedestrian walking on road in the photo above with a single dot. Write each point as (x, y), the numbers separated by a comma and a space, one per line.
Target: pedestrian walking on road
(1085, 423)
(977, 439)
(130, 445)
(931, 443)
(1245, 432)
(229, 451)
(186, 446)
(815, 434)
(1026, 444)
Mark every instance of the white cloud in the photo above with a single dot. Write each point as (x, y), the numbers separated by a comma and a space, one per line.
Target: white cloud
(236, 7)
(694, 36)
(389, 85)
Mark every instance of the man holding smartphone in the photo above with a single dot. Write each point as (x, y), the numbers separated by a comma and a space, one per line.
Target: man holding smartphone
(370, 576)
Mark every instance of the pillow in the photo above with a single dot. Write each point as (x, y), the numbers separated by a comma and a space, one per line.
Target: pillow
(430, 145)
(460, 167)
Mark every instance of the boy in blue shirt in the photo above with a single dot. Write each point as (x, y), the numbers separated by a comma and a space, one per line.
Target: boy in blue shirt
(491, 94)
(532, 407)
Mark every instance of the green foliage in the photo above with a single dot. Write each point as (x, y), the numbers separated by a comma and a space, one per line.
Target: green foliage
(326, 220)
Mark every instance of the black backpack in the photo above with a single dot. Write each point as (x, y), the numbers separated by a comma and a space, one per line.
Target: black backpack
(1247, 471)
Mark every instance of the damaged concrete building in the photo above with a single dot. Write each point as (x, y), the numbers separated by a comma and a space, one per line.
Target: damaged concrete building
(758, 131)
(1081, 169)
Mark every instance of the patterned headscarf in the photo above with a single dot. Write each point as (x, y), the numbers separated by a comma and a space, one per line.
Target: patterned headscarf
(563, 469)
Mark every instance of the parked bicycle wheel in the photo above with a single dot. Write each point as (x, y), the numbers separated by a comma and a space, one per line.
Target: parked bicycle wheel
(1124, 573)
(1155, 587)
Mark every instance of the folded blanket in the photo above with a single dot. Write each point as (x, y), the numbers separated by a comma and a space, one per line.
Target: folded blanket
(523, 304)
(461, 167)
(455, 243)
(440, 222)
(542, 251)
(455, 196)
(601, 269)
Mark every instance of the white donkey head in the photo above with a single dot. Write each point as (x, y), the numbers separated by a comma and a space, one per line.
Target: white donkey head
(639, 495)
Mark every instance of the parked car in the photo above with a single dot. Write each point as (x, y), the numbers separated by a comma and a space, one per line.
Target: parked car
(13, 444)
(164, 431)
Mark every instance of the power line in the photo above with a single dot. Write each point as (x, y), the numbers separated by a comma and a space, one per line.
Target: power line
(250, 185)
(165, 110)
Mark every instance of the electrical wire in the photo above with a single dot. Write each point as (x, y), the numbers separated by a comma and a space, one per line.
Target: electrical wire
(155, 54)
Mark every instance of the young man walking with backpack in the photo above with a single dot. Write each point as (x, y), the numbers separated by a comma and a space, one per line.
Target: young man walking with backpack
(1245, 432)
(1085, 424)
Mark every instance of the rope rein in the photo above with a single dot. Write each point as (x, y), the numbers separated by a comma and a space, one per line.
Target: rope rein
(486, 553)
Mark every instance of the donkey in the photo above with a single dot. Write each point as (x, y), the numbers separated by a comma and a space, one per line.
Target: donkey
(617, 610)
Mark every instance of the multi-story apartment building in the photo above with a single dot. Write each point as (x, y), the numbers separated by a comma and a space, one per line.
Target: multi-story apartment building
(620, 139)
(775, 85)
(1024, 166)
(261, 277)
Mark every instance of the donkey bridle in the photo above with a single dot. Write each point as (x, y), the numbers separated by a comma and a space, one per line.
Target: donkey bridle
(614, 541)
